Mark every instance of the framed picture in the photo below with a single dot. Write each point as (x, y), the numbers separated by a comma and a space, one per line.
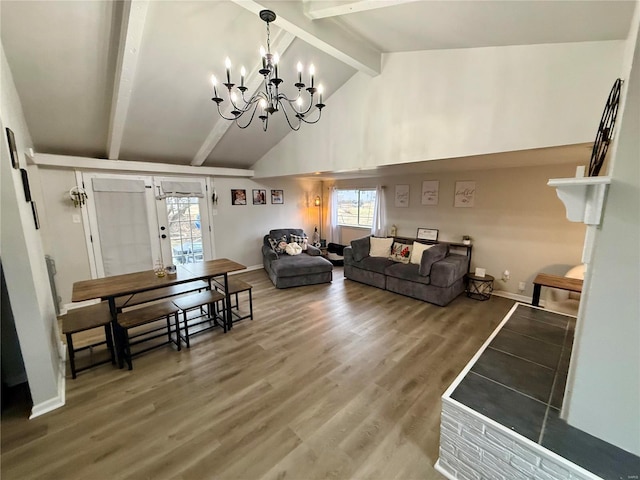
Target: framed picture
(238, 197)
(465, 194)
(34, 210)
(277, 196)
(402, 196)
(259, 197)
(25, 185)
(15, 163)
(430, 192)
(430, 234)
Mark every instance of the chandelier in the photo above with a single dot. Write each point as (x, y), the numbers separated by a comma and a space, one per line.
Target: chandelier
(268, 99)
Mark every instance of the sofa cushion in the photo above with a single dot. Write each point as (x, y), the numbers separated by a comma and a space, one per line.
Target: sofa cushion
(417, 251)
(407, 271)
(400, 252)
(303, 264)
(449, 270)
(380, 247)
(360, 247)
(285, 232)
(373, 264)
(431, 256)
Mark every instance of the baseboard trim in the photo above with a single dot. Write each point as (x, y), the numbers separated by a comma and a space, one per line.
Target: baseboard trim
(515, 296)
(57, 401)
(248, 269)
(444, 472)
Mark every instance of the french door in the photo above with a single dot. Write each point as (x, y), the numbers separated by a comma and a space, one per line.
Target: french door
(183, 220)
(136, 221)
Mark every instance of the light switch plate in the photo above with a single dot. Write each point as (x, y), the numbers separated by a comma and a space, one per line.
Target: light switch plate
(76, 218)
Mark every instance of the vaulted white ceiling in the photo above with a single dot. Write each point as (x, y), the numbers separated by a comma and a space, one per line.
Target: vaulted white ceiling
(130, 80)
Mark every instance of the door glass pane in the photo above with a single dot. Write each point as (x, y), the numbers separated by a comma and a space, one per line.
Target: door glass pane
(185, 229)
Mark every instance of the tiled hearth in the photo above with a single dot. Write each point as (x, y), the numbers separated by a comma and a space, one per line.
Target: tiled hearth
(501, 420)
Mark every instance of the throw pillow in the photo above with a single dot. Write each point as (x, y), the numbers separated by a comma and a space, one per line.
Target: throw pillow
(433, 255)
(300, 240)
(380, 247)
(293, 249)
(400, 252)
(276, 244)
(416, 252)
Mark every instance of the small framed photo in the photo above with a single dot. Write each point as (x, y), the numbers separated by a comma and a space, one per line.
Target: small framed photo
(15, 163)
(238, 197)
(430, 234)
(34, 210)
(259, 197)
(277, 196)
(25, 185)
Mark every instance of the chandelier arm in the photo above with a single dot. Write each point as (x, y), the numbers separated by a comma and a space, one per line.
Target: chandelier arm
(222, 114)
(282, 96)
(255, 107)
(309, 122)
(286, 116)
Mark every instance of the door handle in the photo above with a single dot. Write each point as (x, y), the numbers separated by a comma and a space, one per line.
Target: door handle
(162, 228)
(163, 236)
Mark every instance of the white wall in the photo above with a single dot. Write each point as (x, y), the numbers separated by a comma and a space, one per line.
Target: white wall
(23, 262)
(450, 103)
(604, 384)
(237, 230)
(517, 222)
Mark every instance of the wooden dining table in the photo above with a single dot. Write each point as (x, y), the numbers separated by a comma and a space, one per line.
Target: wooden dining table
(110, 288)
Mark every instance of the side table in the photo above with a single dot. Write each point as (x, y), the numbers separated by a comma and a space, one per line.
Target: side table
(479, 288)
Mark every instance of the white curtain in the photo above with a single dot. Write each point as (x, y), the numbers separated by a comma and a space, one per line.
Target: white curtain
(378, 227)
(121, 211)
(334, 228)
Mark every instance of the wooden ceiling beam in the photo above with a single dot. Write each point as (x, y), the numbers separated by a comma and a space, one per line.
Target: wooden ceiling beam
(317, 10)
(133, 20)
(328, 37)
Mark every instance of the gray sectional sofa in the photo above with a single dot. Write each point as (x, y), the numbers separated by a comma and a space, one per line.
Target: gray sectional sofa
(438, 279)
(307, 268)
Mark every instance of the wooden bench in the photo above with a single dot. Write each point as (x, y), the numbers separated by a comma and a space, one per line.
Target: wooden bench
(554, 281)
(143, 316)
(198, 300)
(236, 286)
(159, 294)
(86, 318)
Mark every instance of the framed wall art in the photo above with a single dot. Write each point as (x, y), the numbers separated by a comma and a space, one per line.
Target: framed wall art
(25, 185)
(238, 197)
(259, 197)
(430, 190)
(15, 162)
(402, 196)
(277, 197)
(465, 194)
(430, 234)
(34, 210)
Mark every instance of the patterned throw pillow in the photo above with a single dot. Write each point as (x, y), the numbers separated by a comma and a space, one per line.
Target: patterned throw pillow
(400, 252)
(299, 239)
(278, 245)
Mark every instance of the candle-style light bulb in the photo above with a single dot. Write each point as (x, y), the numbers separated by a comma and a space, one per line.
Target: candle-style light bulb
(299, 72)
(234, 97)
(263, 54)
(214, 81)
(299, 103)
(312, 72)
(227, 64)
(320, 92)
(263, 105)
(276, 59)
(243, 72)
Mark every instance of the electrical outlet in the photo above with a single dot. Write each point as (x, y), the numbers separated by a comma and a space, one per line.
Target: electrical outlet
(76, 218)
(521, 286)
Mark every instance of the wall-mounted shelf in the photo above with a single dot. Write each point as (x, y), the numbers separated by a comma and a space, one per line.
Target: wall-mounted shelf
(583, 197)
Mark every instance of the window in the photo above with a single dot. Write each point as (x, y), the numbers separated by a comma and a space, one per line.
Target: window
(355, 207)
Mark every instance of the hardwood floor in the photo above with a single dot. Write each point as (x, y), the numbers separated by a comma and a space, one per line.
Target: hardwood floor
(339, 380)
